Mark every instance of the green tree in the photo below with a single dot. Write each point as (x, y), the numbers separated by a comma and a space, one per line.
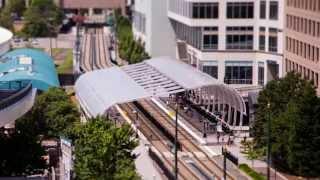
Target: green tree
(42, 18)
(16, 7)
(251, 151)
(20, 154)
(52, 115)
(295, 124)
(104, 151)
(6, 19)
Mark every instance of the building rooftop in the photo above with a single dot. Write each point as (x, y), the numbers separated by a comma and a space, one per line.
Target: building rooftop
(29, 64)
(73, 4)
(97, 91)
(5, 35)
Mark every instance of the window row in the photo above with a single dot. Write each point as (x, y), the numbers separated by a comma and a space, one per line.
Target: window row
(273, 10)
(239, 38)
(192, 35)
(273, 39)
(312, 5)
(205, 10)
(139, 22)
(235, 74)
(238, 75)
(303, 25)
(302, 49)
(240, 10)
(305, 72)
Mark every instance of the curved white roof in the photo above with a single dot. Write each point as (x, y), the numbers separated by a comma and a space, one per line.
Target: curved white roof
(5, 35)
(99, 90)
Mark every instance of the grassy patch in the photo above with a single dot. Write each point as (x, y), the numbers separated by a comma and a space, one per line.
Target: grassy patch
(67, 65)
(250, 172)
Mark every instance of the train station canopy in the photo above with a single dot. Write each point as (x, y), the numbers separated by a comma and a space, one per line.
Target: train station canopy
(99, 90)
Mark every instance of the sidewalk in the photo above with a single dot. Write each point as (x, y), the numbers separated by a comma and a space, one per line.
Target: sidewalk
(212, 143)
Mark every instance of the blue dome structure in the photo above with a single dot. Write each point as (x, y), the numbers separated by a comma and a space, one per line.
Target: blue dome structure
(33, 65)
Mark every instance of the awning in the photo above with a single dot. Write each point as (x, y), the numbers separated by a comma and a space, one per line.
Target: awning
(99, 90)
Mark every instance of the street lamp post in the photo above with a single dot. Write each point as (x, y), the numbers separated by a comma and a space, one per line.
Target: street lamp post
(224, 151)
(204, 128)
(136, 121)
(176, 142)
(268, 144)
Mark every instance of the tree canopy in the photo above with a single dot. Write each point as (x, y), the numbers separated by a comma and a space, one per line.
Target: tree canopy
(6, 19)
(16, 7)
(104, 151)
(20, 154)
(129, 49)
(293, 108)
(42, 17)
(52, 115)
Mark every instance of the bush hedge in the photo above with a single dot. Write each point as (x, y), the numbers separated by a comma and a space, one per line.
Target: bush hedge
(250, 172)
(129, 49)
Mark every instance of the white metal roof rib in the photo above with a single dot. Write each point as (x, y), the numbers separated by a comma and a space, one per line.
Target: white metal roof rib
(183, 74)
(97, 91)
(5, 35)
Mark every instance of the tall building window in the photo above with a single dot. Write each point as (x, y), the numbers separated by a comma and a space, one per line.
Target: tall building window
(210, 38)
(212, 70)
(263, 9)
(262, 39)
(205, 10)
(238, 73)
(139, 21)
(239, 38)
(210, 41)
(273, 40)
(240, 10)
(274, 10)
(261, 74)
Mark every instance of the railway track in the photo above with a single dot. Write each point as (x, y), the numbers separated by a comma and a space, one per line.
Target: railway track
(94, 50)
(202, 160)
(160, 142)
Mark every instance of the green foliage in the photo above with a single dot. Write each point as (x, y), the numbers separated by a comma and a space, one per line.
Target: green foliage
(52, 115)
(6, 19)
(295, 124)
(42, 17)
(104, 151)
(129, 49)
(252, 173)
(20, 154)
(251, 151)
(67, 65)
(16, 7)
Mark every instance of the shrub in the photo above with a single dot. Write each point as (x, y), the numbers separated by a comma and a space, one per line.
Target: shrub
(250, 172)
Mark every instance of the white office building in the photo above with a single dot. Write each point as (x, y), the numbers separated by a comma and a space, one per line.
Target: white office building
(239, 42)
(152, 27)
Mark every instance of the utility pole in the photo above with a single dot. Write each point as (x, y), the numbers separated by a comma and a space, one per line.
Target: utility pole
(224, 151)
(268, 144)
(176, 141)
(204, 128)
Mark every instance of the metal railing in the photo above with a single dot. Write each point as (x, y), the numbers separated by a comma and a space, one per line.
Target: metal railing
(14, 98)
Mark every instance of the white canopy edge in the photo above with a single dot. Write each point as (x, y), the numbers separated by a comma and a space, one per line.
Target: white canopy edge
(99, 90)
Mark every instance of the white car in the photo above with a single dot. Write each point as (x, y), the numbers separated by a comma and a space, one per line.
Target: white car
(34, 42)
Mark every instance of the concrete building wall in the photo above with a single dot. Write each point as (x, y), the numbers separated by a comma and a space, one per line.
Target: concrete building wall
(181, 11)
(93, 4)
(302, 39)
(156, 32)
